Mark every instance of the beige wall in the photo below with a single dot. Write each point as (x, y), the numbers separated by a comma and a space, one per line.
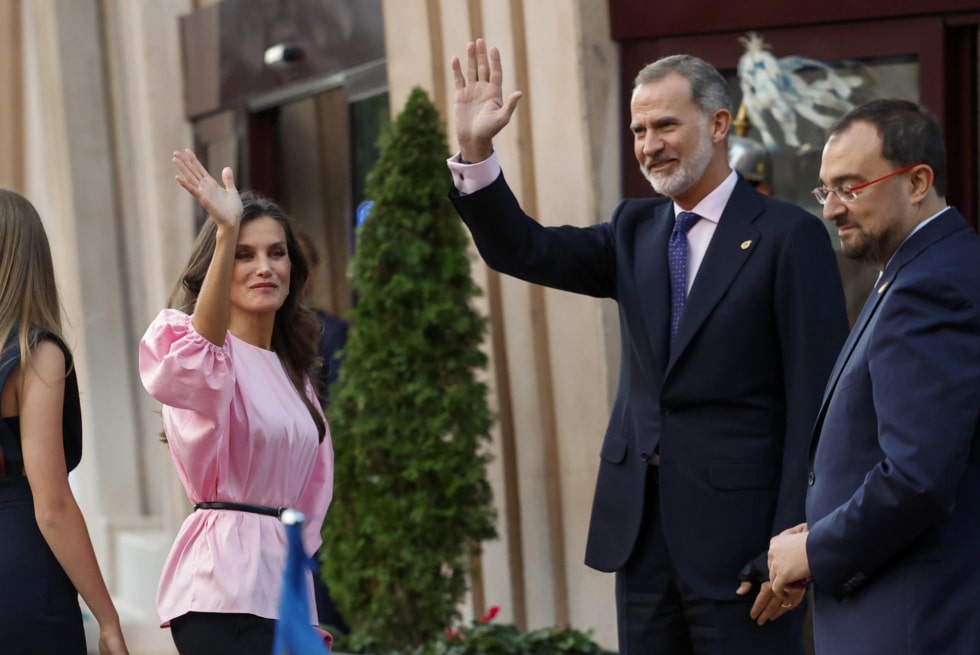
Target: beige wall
(12, 110)
(554, 354)
(98, 108)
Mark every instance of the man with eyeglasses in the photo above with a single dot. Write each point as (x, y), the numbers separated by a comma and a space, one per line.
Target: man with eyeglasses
(892, 539)
(731, 314)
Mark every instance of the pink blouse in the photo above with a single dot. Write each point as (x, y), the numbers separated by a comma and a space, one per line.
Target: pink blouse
(237, 431)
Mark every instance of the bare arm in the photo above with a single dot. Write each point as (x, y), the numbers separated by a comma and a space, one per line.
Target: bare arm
(213, 310)
(480, 111)
(41, 392)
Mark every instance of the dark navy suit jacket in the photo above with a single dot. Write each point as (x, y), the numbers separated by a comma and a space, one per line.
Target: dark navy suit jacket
(333, 338)
(894, 497)
(731, 405)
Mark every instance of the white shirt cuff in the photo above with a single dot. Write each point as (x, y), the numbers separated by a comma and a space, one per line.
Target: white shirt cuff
(470, 178)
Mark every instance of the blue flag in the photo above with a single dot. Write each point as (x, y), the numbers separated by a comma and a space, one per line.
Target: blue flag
(294, 634)
(363, 211)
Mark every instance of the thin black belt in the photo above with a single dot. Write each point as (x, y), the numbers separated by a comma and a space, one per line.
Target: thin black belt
(242, 507)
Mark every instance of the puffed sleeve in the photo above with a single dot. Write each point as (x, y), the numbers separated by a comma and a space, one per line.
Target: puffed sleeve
(181, 368)
(316, 496)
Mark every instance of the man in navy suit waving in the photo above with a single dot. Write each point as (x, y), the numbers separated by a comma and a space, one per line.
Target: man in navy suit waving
(893, 506)
(731, 315)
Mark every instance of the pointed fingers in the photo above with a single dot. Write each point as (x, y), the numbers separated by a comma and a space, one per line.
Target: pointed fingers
(482, 65)
(458, 80)
(187, 186)
(511, 104)
(195, 164)
(471, 62)
(758, 606)
(190, 167)
(228, 177)
(180, 162)
(496, 70)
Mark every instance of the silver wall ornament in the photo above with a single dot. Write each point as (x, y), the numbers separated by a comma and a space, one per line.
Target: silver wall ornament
(777, 88)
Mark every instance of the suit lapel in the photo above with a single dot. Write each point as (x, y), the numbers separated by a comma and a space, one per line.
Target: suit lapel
(734, 241)
(653, 281)
(943, 225)
(870, 306)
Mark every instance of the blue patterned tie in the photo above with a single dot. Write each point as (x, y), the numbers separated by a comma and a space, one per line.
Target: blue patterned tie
(677, 260)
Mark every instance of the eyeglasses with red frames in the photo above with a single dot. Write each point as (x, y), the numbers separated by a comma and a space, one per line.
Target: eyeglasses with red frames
(849, 193)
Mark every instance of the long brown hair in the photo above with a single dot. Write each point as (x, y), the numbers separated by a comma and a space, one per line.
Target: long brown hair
(28, 293)
(296, 330)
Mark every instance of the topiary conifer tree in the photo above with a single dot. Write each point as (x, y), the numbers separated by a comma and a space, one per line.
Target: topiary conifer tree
(408, 415)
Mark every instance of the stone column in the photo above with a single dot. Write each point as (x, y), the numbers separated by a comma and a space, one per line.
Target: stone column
(103, 111)
(11, 88)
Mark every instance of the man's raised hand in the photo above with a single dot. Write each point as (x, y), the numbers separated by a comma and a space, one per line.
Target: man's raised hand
(480, 110)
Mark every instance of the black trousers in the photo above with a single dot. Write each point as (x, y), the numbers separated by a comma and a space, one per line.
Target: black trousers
(205, 633)
(658, 614)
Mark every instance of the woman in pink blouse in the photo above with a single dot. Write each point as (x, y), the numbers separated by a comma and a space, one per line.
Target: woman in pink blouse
(232, 362)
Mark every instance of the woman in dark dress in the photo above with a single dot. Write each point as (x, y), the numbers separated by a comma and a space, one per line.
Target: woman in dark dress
(46, 556)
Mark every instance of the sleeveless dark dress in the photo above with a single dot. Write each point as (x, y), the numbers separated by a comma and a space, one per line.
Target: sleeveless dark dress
(39, 611)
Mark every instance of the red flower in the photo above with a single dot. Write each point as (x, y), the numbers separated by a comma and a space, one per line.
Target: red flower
(454, 635)
(489, 616)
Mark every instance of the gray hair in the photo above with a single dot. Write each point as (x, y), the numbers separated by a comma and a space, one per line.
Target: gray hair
(708, 88)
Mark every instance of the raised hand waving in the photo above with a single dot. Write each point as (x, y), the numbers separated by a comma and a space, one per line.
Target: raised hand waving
(480, 110)
(223, 204)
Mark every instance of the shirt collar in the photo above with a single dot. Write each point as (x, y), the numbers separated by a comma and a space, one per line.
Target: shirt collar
(712, 205)
(914, 230)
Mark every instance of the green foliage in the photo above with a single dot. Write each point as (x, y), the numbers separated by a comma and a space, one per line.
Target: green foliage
(492, 639)
(408, 416)
(485, 638)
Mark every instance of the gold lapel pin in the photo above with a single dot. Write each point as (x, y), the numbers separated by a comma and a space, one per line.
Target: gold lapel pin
(746, 244)
(882, 288)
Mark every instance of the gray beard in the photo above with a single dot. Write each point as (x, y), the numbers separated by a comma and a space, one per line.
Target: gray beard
(686, 176)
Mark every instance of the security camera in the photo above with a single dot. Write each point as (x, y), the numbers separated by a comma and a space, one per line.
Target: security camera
(283, 56)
